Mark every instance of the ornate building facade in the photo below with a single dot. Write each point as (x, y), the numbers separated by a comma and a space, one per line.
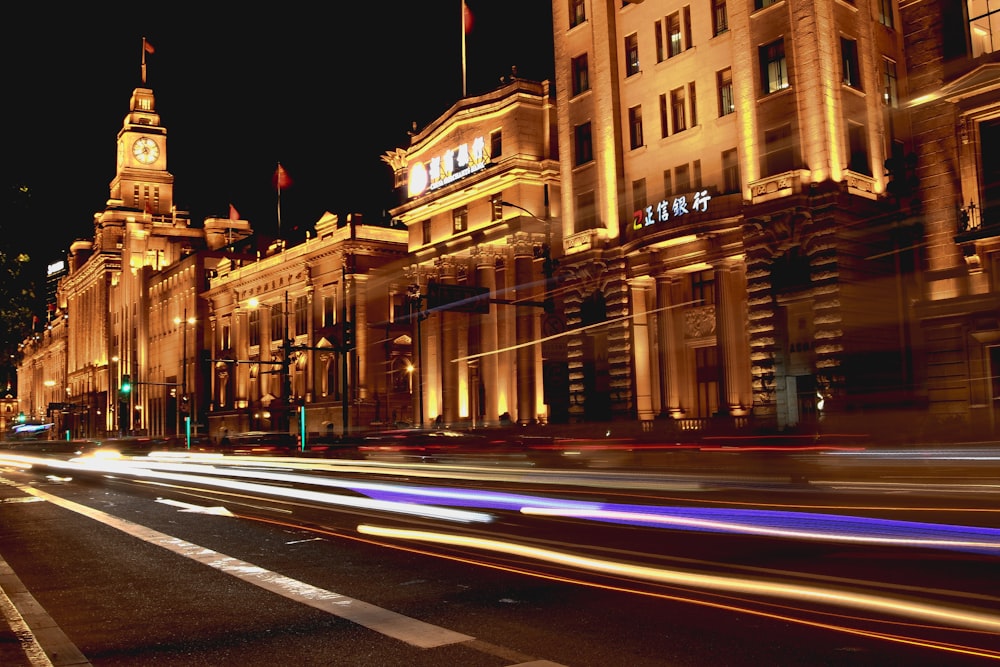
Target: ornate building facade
(778, 215)
(479, 191)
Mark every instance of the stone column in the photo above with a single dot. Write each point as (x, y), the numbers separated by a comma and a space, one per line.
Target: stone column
(489, 362)
(730, 338)
(670, 343)
(450, 325)
(524, 327)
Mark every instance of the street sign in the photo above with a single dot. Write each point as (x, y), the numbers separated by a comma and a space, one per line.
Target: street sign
(463, 298)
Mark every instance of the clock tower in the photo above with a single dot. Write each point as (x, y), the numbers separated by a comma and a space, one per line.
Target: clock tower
(141, 178)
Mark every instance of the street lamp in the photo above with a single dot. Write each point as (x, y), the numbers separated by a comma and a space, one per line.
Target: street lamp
(415, 297)
(182, 403)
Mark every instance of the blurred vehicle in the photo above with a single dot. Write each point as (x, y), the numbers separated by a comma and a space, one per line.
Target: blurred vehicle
(259, 443)
(128, 446)
(334, 447)
(32, 446)
(436, 444)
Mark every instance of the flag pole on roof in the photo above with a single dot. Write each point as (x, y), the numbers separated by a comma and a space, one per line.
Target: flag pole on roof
(146, 48)
(281, 181)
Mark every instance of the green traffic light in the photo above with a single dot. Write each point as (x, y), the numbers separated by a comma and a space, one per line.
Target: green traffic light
(126, 386)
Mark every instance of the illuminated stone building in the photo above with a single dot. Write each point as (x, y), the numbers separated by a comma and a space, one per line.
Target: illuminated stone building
(953, 54)
(125, 289)
(480, 200)
(277, 343)
(725, 212)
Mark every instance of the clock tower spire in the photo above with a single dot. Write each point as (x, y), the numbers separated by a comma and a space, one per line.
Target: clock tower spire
(141, 179)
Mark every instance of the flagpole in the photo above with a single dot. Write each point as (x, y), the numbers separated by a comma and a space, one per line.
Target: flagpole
(143, 61)
(278, 172)
(462, 14)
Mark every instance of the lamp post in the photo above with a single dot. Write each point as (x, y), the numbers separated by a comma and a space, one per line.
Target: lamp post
(182, 404)
(413, 292)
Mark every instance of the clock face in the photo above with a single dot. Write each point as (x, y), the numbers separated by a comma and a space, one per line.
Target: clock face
(145, 150)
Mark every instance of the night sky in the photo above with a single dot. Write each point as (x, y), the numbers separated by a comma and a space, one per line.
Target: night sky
(325, 95)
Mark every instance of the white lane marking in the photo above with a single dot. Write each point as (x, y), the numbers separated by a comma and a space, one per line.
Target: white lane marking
(198, 509)
(389, 623)
(16, 603)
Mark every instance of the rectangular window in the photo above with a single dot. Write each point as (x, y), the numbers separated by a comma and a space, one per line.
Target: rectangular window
(677, 110)
(761, 4)
(674, 45)
(664, 117)
(778, 154)
(686, 18)
(496, 207)
(885, 13)
(658, 34)
(577, 13)
(696, 174)
(989, 148)
(496, 144)
(277, 323)
(984, 27)
(849, 63)
(858, 140)
(724, 82)
(730, 171)
(668, 183)
(301, 315)
(253, 326)
(703, 287)
(682, 179)
(425, 232)
(631, 55)
(720, 18)
(329, 310)
(635, 127)
(460, 219)
(773, 69)
(586, 211)
(581, 76)
(693, 97)
(226, 338)
(890, 96)
(638, 194)
(584, 144)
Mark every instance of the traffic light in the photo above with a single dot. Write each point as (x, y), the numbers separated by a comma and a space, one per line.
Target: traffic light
(348, 341)
(126, 387)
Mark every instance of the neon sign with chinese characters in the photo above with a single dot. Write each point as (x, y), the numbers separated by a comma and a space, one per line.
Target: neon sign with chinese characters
(453, 165)
(668, 209)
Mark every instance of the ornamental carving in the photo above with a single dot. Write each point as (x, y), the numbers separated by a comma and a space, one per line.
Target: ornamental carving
(699, 322)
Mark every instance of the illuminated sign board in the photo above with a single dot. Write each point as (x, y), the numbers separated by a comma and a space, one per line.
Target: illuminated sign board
(56, 267)
(668, 209)
(453, 165)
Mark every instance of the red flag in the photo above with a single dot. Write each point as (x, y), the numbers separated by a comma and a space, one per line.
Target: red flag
(147, 47)
(233, 213)
(281, 178)
(467, 18)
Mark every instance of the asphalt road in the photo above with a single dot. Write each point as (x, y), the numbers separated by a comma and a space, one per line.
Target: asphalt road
(120, 572)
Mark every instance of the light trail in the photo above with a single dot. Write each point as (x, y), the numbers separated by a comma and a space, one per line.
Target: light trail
(955, 617)
(838, 528)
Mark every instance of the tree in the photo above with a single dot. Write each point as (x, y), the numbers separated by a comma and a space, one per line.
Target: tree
(19, 279)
